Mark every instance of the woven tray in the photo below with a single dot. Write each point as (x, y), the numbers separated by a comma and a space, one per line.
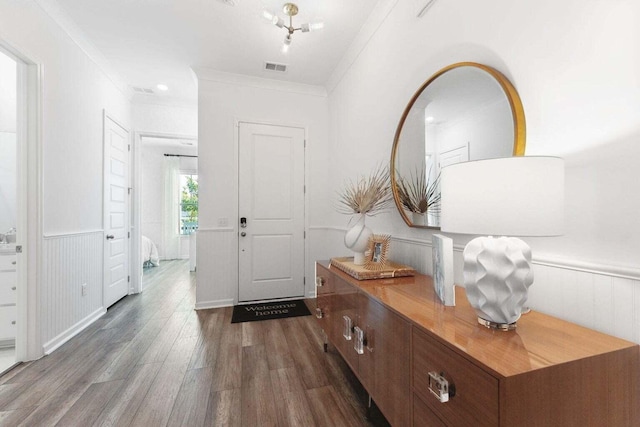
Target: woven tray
(359, 272)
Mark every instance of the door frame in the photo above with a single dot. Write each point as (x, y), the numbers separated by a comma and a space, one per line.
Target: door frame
(135, 179)
(105, 202)
(236, 203)
(29, 217)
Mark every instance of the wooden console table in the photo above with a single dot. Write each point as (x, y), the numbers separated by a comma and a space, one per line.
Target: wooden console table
(400, 342)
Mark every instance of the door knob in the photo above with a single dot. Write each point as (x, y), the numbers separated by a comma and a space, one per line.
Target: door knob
(110, 236)
(243, 234)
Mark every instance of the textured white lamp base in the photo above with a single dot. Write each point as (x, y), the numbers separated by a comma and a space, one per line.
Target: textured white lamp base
(497, 276)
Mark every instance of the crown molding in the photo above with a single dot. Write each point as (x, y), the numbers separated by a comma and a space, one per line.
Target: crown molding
(212, 75)
(368, 30)
(64, 21)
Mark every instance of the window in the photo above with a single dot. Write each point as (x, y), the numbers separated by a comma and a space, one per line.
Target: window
(188, 203)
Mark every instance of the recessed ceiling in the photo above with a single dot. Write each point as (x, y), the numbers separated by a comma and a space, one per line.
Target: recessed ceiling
(151, 42)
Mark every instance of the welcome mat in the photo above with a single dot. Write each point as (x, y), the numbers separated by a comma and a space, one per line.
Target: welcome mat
(269, 310)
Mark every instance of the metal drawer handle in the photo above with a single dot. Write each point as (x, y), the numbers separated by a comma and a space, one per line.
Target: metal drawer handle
(13, 262)
(346, 333)
(320, 281)
(440, 387)
(319, 313)
(13, 322)
(13, 288)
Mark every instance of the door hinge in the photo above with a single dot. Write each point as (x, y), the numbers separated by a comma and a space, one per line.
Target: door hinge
(128, 279)
(305, 143)
(304, 280)
(128, 234)
(304, 189)
(129, 190)
(304, 234)
(129, 147)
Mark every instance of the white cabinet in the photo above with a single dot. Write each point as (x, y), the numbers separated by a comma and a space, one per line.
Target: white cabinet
(8, 292)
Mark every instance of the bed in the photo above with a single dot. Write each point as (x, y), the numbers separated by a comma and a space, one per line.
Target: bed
(149, 253)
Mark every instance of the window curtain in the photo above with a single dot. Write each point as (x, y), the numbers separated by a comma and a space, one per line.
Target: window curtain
(170, 219)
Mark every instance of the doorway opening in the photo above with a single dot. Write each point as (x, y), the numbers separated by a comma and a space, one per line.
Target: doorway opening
(8, 208)
(166, 202)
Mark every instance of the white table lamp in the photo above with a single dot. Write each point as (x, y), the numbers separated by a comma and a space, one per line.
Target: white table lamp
(512, 196)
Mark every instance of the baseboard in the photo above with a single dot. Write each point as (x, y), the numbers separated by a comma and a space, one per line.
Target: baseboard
(62, 338)
(204, 305)
(311, 294)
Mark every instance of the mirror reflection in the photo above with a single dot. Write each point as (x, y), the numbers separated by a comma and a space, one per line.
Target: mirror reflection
(464, 112)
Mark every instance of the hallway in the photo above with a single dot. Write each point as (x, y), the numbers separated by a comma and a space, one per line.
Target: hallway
(153, 361)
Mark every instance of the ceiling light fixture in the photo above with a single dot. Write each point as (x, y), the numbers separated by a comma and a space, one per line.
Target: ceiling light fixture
(290, 10)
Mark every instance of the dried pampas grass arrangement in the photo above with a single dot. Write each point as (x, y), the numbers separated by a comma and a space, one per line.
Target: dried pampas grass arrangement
(417, 194)
(369, 195)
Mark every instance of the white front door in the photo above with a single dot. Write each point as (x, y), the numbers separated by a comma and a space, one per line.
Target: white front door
(116, 211)
(271, 212)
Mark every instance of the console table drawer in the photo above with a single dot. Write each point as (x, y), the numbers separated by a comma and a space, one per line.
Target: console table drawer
(476, 398)
(423, 416)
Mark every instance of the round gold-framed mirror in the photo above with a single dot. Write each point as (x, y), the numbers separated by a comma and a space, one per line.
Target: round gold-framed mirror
(465, 111)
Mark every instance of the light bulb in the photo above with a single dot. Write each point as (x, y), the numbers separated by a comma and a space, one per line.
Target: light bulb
(268, 15)
(316, 26)
(287, 43)
(278, 22)
(162, 87)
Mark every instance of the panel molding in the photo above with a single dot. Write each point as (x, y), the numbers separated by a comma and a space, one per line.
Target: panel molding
(204, 305)
(68, 262)
(71, 332)
(548, 260)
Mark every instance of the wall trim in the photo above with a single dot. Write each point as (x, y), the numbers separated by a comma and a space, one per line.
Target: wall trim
(71, 234)
(204, 305)
(369, 29)
(216, 230)
(71, 29)
(548, 260)
(212, 75)
(74, 330)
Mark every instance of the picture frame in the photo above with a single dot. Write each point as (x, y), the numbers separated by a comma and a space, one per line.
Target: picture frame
(377, 252)
(442, 257)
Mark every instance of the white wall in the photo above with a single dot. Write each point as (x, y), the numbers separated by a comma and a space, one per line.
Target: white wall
(222, 100)
(157, 118)
(574, 66)
(75, 92)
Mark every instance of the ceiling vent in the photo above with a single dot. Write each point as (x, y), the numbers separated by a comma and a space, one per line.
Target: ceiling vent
(143, 90)
(272, 66)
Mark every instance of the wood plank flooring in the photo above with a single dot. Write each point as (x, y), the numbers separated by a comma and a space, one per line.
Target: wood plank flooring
(154, 361)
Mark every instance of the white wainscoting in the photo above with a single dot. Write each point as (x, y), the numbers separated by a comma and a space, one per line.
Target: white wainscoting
(68, 262)
(217, 272)
(602, 297)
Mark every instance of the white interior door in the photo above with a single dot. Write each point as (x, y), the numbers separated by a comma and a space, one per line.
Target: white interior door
(271, 199)
(116, 214)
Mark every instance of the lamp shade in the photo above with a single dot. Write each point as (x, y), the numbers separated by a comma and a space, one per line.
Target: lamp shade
(511, 196)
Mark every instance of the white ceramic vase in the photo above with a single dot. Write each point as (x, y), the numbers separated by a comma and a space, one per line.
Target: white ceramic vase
(418, 218)
(357, 239)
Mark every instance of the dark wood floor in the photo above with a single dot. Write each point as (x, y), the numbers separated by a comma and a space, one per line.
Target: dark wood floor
(153, 361)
